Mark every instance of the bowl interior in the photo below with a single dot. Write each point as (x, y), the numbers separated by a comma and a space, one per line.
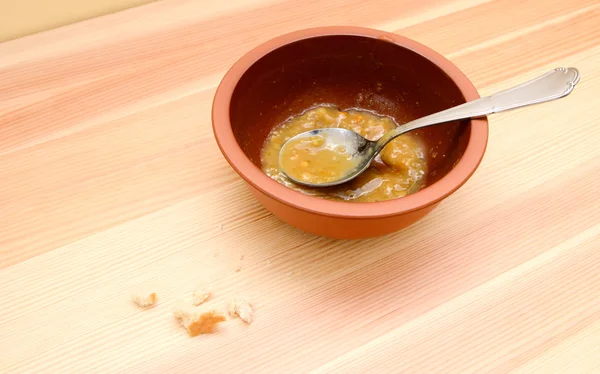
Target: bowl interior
(349, 72)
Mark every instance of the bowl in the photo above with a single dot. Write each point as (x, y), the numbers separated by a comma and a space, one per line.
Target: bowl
(347, 67)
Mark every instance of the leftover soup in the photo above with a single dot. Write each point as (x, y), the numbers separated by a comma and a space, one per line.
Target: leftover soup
(399, 169)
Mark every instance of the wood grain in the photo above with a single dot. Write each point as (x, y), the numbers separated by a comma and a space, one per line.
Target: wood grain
(25, 17)
(111, 178)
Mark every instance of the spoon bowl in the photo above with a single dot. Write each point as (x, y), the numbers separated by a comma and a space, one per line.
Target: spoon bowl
(330, 139)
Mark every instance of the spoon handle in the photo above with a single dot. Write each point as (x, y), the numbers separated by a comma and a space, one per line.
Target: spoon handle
(553, 85)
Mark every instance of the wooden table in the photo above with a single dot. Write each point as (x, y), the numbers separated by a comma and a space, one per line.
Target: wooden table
(25, 17)
(110, 177)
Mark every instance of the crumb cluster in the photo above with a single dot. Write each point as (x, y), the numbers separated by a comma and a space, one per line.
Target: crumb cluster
(195, 317)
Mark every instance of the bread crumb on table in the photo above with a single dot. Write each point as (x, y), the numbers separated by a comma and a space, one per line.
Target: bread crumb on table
(197, 320)
(240, 308)
(202, 322)
(201, 294)
(143, 297)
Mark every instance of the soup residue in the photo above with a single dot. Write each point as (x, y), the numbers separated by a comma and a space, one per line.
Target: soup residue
(400, 169)
(314, 160)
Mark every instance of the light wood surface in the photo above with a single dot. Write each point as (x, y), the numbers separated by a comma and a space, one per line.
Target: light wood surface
(25, 17)
(110, 178)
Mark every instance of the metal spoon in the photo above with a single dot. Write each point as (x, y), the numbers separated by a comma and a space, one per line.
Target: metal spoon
(550, 86)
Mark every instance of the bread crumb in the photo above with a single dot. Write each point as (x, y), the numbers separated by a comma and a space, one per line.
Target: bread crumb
(238, 269)
(196, 320)
(143, 297)
(202, 322)
(201, 294)
(241, 308)
(182, 308)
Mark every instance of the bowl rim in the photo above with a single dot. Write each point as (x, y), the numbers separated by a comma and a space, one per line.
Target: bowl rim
(254, 176)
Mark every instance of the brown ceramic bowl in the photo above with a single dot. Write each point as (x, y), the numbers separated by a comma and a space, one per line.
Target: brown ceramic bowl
(348, 67)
